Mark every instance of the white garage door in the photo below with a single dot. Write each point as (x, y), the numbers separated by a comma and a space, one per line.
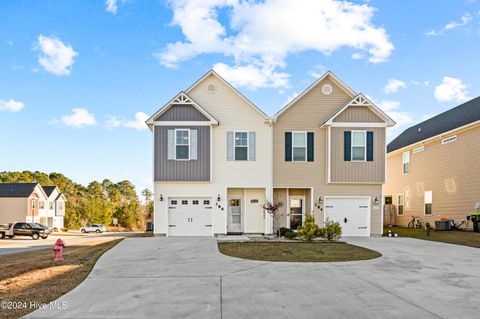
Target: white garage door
(352, 213)
(190, 217)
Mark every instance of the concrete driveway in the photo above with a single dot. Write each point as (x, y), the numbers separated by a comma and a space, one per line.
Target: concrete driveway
(189, 278)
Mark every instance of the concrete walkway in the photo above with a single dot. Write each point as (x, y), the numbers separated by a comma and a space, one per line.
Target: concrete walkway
(189, 278)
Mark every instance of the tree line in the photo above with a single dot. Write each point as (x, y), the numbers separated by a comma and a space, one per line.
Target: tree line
(99, 202)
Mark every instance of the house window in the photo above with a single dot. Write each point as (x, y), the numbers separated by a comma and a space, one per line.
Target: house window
(182, 144)
(299, 146)
(406, 162)
(241, 146)
(33, 203)
(449, 139)
(401, 204)
(359, 146)
(195, 202)
(428, 202)
(41, 204)
(50, 205)
(206, 202)
(418, 149)
(184, 202)
(60, 206)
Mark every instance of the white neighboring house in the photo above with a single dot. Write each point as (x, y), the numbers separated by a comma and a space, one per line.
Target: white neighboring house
(212, 168)
(55, 207)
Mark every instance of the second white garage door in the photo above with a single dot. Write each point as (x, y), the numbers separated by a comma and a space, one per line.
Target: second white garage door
(190, 217)
(352, 213)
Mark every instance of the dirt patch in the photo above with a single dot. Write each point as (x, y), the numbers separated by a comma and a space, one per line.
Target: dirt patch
(33, 278)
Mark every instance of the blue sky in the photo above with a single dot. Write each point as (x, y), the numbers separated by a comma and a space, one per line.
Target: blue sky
(77, 78)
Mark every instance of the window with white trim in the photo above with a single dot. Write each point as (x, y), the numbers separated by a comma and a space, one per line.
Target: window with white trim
(41, 204)
(299, 146)
(241, 146)
(406, 162)
(428, 198)
(184, 202)
(450, 139)
(400, 204)
(182, 144)
(51, 205)
(173, 202)
(206, 202)
(359, 146)
(195, 202)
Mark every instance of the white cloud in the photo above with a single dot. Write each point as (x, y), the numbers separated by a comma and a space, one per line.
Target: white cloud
(137, 123)
(259, 45)
(451, 89)
(464, 20)
(394, 85)
(11, 105)
(291, 97)
(80, 117)
(112, 6)
(403, 119)
(56, 57)
(357, 56)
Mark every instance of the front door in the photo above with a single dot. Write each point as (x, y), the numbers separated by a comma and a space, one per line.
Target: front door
(297, 211)
(235, 219)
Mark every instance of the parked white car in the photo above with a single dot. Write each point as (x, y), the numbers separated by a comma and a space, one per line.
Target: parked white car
(96, 228)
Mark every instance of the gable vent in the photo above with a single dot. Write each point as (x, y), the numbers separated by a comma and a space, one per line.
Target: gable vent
(327, 89)
(211, 88)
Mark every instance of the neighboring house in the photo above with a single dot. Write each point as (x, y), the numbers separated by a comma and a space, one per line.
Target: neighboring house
(329, 158)
(211, 162)
(434, 167)
(55, 207)
(24, 202)
(218, 158)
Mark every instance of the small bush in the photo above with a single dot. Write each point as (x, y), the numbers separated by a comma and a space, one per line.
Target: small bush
(55, 229)
(333, 230)
(65, 229)
(309, 230)
(290, 234)
(283, 230)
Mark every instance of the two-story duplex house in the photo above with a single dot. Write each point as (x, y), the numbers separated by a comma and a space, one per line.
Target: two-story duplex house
(329, 158)
(55, 207)
(434, 167)
(211, 162)
(218, 159)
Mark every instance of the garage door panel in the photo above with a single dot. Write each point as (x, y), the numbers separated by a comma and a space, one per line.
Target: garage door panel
(190, 217)
(353, 214)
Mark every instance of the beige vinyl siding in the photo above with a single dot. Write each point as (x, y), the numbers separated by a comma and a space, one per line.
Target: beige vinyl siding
(307, 114)
(450, 171)
(357, 172)
(360, 114)
(13, 210)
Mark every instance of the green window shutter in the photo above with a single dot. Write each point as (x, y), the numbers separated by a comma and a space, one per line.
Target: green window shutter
(347, 146)
(288, 146)
(310, 147)
(370, 146)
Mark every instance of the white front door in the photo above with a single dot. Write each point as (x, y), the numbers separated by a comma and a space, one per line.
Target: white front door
(353, 214)
(297, 212)
(190, 217)
(235, 217)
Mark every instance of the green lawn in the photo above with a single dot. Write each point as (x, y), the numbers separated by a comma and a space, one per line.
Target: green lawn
(465, 238)
(297, 251)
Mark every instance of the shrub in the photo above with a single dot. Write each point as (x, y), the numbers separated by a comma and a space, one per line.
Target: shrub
(64, 229)
(309, 230)
(55, 229)
(290, 234)
(333, 230)
(283, 230)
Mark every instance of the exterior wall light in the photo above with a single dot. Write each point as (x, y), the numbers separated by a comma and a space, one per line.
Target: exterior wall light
(161, 197)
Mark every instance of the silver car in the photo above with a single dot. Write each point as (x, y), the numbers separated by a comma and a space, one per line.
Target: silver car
(93, 228)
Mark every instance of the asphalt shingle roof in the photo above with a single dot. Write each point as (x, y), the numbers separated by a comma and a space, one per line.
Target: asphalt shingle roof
(459, 116)
(16, 189)
(49, 190)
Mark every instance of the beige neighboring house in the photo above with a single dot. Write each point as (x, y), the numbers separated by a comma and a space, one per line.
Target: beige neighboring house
(329, 158)
(434, 167)
(23, 202)
(55, 207)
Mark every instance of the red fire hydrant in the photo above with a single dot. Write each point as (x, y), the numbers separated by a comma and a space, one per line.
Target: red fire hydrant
(58, 250)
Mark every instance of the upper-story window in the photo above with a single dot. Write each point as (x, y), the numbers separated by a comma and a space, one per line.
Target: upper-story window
(299, 146)
(359, 146)
(182, 144)
(406, 162)
(41, 204)
(241, 146)
(51, 205)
